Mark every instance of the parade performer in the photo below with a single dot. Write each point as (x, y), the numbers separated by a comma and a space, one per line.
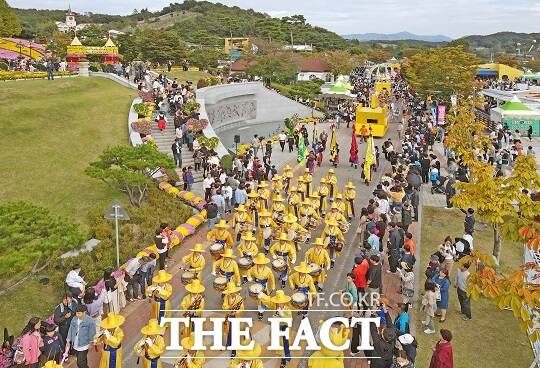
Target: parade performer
(350, 196)
(227, 267)
(192, 304)
(308, 179)
(331, 181)
(336, 215)
(280, 303)
(160, 292)
(190, 359)
(264, 196)
(241, 221)
(301, 187)
(324, 191)
(308, 215)
(314, 198)
(195, 261)
(284, 249)
(248, 358)
(334, 239)
(319, 256)
(326, 357)
(278, 208)
(152, 345)
(111, 337)
(302, 282)
(294, 200)
(233, 305)
(266, 226)
(248, 249)
(251, 205)
(287, 176)
(221, 235)
(277, 184)
(296, 233)
(263, 275)
(341, 205)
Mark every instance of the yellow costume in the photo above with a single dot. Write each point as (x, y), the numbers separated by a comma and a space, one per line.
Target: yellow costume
(277, 184)
(294, 200)
(341, 206)
(335, 214)
(251, 205)
(287, 176)
(247, 358)
(262, 274)
(111, 338)
(247, 248)
(280, 304)
(233, 305)
(309, 218)
(266, 225)
(314, 198)
(227, 267)
(318, 255)
(302, 282)
(192, 304)
(190, 359)
(278, 208)
(160, 291)
(327, 358)
(308, 179)
(332, 236)
(241, 221)
(331, 180)
(264, 196)
(152, 345)
(302, 187)
(323, 194)
(220, 234)
(286, 250)
(350, 196)
(195, 261)
(293, 229)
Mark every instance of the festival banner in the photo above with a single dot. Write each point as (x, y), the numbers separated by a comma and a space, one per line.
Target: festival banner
(441, 114)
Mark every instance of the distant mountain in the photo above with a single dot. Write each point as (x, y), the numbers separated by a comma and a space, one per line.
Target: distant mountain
(505, 43)
(397, 37)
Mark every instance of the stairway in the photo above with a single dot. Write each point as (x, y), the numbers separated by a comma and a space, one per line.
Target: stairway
(164, 141)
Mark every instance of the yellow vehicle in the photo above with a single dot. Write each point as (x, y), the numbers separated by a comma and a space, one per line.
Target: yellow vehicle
(374, 118)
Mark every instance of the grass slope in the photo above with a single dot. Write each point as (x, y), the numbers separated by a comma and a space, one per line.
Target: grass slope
(51, 131)
(492, 338)
(182, 76)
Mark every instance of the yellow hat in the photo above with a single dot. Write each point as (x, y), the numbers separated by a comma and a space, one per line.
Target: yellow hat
(330, 171)
(52, 364)
(314, 194)
(339, 196)
(319, 241)
(302, 268)
(265, 213)
(276, 177)
(153, 328)
(306, 202)
(161, 277)
(278, 198)
(248, 236)
(187, 342)
(195, 286)
(301, 179)
(306, 170)
(222, 224)
(334, 206)
(283, 236)
(323, 180)
(287, 168)
(261, 259)
(262, 184)
(253, 194)
(293, 188)
(197, 248)
(350, 185)
(113, 320)
(290, 218)
(231, 288)
(249, 354)
(228, 253)
(241, 208)
(280, 298)
(331, 222)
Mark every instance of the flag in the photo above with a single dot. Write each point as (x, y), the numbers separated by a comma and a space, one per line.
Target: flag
(333, 146)
(370, 158)
(301, 149)
(353, 158)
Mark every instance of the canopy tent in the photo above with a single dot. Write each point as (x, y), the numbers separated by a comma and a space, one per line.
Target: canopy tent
(487, 73)
(531, 76)
(517, 116)
(340, 89)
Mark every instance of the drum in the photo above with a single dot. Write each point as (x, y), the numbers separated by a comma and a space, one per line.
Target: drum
(187, 277)
(267, 232)
(245, 263)
(220, 283)
(299, 300)
(339, 246)
(275, 233)
(312, 224)
(255, 289)
(344, 227)
(301, 237)
(279, 264)
(216, 249)
(315, 270)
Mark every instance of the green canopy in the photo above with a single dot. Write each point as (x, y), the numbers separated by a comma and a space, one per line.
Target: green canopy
(515, 105)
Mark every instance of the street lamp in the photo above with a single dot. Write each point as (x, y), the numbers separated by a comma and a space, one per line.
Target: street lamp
(116, 213)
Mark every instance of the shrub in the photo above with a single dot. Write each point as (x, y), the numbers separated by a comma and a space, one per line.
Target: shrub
(227, 162)
(3, 66)
(107, 68)
(190, 107)
(202, 83)
(94, 67)
(142, 126)
(40, 67)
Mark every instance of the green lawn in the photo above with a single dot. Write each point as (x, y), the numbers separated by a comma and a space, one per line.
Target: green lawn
(51, 131)
(182, 76)
(492, 338)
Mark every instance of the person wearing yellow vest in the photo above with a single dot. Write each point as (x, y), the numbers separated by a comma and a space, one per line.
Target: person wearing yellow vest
(331, 181)
(152, 345)
(160, 292)
(251, 205)
(248, 358)
(264, 195)
(262, 274)
(287, 176)
(240, 221)
(333, 237)
(326, 357)
(294, 200)
(341, 206)
(247, 248)
(190, 359)
(233, 305)
(293, 229)
(323, 194)
(278, 208)
(350, 196)
(195, 262)
(111, 337)
(277, 184)
(302, 282)
(266, 225)
(280, 304)
(309, 218)
(336, 214)
(319, 256)
(314, 198)
(227, 267)
(192, 304)
(220, 234)
(301, 187)
(308, 179)
(286, 250)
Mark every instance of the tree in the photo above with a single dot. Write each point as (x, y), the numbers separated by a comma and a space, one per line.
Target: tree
(342, 61)
(58, 44)
(509, 60)
(9, 22)
(442, 72)
(274, 68)
(534, 64)
(377, 55)
(30, 238)
(205, 57)
(126, 168)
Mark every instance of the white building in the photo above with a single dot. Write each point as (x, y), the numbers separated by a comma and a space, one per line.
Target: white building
(70, 24)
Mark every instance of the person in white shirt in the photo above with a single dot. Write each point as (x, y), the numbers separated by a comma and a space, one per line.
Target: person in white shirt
(383, 205)
(206, 186)
(75, 281)
(227, 194)
(131, 278)
(223, 177)
(282, 139)
(213, 160)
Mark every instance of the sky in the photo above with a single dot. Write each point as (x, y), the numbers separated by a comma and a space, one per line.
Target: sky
(453, 18)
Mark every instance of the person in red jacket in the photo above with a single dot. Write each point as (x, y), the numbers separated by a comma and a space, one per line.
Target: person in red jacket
(361, 266)
(443, 357)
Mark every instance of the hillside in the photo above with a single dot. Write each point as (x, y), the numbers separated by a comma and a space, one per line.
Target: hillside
(400, 36)
(504, 42)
